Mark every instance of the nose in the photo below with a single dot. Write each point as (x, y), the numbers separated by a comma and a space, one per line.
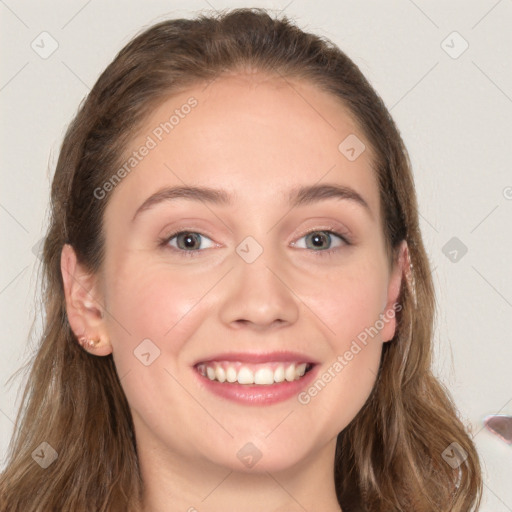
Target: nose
(259, 294)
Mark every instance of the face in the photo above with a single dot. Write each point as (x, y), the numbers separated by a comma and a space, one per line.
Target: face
(252, 280)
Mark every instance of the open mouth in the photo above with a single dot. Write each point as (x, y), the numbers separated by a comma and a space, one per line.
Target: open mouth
(263, 374)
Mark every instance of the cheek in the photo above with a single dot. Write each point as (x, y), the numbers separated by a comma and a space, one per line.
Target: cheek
(165, 308)
(152, 304)
(341, 389)
(350, 301)
(350, 305)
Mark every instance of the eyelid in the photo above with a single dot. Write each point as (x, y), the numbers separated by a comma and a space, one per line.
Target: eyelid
(337, 230)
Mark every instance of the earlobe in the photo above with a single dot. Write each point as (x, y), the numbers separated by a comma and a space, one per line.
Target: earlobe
(83, 304)
(399, 272)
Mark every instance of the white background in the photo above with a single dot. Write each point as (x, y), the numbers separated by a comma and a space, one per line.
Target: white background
(455, 115)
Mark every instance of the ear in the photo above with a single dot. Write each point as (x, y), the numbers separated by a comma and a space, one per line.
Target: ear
(399, 271)
(84, 303)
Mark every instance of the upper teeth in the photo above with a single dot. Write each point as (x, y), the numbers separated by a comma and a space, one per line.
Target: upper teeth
(267, 373)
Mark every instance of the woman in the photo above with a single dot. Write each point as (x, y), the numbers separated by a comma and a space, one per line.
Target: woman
(203, 349)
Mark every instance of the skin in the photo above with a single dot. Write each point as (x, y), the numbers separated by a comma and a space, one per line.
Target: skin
(256, 137)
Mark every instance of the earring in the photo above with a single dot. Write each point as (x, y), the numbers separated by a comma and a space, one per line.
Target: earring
(87, 343)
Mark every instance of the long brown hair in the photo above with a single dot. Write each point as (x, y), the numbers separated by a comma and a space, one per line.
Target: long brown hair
(391, 456)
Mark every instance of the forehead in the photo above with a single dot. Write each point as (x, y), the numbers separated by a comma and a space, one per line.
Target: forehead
(255, 136)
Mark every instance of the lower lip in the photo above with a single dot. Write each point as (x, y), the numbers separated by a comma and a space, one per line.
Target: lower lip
(258, 394)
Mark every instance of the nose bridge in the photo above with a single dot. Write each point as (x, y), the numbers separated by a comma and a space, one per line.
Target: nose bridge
(258, 292)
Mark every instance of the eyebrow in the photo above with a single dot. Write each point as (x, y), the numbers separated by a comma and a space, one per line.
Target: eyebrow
(298, 196)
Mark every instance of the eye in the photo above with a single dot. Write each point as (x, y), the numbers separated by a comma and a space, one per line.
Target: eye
(318, 239)
(186, 241)
(191, 243)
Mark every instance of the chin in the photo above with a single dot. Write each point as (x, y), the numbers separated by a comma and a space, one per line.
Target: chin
(257, 455)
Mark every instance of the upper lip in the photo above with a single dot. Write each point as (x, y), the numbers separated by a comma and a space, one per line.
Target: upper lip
(259, 357)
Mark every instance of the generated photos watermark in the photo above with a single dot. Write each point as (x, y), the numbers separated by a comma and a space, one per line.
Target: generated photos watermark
(157, 135)
(344, 359)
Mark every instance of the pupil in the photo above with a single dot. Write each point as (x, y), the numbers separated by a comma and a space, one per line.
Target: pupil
(190, 240)
(318, 239)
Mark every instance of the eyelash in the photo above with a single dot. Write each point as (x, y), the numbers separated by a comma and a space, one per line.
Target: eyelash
(163, 242)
